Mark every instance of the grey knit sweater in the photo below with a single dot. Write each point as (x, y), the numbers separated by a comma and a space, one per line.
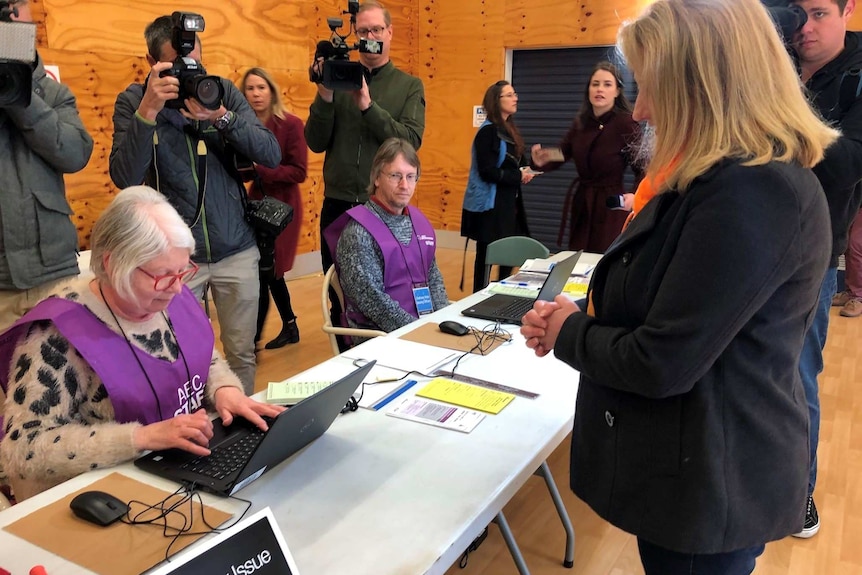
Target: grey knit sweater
(360, 263)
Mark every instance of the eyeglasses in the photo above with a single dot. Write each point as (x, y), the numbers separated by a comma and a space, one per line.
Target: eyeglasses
(398, 176)
(166, 281)
(512, 95)
(376, 30)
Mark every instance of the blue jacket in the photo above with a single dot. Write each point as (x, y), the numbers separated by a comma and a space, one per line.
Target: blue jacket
(480, 195)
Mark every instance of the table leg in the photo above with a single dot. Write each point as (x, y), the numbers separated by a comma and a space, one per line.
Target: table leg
(501, 522)
(545, 472)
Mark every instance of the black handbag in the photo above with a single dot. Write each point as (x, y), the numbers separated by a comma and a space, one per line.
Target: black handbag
(268, 216)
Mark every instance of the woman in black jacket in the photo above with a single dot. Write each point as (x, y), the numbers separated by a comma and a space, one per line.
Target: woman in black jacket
(691, 422)
(496, 176)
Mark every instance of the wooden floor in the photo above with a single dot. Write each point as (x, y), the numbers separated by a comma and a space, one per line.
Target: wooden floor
(604, 550)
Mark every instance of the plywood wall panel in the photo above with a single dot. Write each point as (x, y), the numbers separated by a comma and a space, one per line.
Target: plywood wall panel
(100, 49)
(462, 53)
(235, 31)
(457, 47)
(549, 23)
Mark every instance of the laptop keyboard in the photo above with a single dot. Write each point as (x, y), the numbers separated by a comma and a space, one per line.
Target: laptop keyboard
(224, 460)
(516, 309)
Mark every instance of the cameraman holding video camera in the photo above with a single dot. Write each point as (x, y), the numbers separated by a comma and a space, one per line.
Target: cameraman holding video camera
(40, 141)
(175, 133)
(830, 59)
(350, 125)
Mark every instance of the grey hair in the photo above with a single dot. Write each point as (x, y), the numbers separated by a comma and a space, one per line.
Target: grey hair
(138, 226)
(387, 153)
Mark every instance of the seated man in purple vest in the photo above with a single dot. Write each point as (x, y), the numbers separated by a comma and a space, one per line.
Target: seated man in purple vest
(384, 251)
(118, 364)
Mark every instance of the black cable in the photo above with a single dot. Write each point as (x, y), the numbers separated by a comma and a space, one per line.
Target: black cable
(485, 340)
(166, 508)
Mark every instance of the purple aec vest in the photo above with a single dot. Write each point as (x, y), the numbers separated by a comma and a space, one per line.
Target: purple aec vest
(402, 265)
(110, 356)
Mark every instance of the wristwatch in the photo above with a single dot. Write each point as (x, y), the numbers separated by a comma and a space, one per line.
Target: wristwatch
(223, 122)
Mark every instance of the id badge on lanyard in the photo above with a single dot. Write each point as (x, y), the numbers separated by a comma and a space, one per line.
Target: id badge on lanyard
(422, 298)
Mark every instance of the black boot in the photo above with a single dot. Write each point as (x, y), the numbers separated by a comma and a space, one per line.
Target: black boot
(289, 334)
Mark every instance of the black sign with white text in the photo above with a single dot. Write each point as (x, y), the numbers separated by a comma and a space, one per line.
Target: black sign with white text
(252, 547)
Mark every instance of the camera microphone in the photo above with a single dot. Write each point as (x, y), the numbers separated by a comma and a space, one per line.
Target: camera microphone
(324, 50)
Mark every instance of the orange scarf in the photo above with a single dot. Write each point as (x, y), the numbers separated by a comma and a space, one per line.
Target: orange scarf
(647, 190)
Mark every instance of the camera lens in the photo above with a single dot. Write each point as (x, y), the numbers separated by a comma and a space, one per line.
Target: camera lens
(208, 91)
(15, 84)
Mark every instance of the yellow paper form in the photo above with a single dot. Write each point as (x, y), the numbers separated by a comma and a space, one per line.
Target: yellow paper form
(576, 288)
(466, 395)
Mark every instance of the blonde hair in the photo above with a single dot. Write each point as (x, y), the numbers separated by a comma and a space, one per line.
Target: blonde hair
(720, 84)
(276, 107)
(374, 5)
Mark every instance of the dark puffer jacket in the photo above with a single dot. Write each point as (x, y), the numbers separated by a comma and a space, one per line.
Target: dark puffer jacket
(164, 155)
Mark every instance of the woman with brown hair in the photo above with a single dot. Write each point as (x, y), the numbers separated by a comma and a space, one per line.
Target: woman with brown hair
(493, 207)
(600, 142)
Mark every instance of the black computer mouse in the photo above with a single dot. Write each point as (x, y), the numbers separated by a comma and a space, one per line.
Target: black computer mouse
(454, 328)
(98, 507)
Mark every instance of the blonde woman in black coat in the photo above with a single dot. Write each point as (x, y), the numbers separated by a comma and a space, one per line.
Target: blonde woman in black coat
(691, 421)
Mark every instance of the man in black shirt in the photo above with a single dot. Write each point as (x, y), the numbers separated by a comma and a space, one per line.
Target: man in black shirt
(830, 59)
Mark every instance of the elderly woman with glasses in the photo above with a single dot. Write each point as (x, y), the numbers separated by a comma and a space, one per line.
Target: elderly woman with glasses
(118, 364)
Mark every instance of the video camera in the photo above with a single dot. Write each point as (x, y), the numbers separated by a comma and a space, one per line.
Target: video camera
(194, 81)
(339, 73)
(788, 18)
(17, 58)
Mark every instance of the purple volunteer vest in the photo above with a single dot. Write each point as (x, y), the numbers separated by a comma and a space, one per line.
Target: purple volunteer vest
(402, 265)
(110, 356)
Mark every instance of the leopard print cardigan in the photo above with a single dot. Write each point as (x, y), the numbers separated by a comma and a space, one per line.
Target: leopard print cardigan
(58, 416)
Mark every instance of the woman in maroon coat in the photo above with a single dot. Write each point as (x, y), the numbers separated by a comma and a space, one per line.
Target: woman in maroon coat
(282, 183)
(599, 142)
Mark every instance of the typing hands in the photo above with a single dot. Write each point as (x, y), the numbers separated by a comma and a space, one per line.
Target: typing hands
(541, 325)
(190, 433)
(231, 401)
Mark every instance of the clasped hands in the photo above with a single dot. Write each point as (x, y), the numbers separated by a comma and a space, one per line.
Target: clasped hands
(541, 325)
(192, 432)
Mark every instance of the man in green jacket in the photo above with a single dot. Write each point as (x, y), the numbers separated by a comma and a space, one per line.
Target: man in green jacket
(350, 126)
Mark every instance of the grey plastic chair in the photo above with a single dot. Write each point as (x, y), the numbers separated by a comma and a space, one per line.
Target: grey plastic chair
(512, 252)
